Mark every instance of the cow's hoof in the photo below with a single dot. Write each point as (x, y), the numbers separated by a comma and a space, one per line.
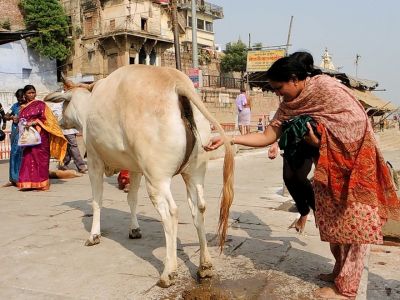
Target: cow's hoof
(205, 271)
(167, 282)
(93, 240)
(135, 234)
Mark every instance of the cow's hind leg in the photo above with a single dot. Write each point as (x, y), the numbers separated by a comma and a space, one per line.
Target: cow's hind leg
(96, 171)
(134, 230)
(194, 180)
(160, 195)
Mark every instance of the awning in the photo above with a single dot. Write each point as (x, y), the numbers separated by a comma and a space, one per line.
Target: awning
(369, 100)
(12, 36)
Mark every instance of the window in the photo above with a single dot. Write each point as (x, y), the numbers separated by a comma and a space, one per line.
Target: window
(112, 62)
(26, 73)
(90, 55)
(143, 24)
(200, 24)
(209, 26)
(131, 60)
(189, 23)
(112, 24)
(89, 26)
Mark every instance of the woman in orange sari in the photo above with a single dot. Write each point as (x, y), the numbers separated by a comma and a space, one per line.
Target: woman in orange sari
(34, 171)
(354, 195)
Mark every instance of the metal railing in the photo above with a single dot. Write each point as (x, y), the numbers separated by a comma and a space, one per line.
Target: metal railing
(5, 146)
(204, 7)
(218, 81)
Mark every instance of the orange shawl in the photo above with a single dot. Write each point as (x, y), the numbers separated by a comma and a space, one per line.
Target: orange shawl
(350, 164)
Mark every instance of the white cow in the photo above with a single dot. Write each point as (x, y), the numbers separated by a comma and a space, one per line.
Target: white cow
(150, 121)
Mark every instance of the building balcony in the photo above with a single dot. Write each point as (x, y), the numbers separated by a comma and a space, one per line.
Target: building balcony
(204, 7)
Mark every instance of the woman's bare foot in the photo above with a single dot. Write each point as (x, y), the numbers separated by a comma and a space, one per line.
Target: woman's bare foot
(299, 224)
(329, 293)
(7, 184)
(327, 277)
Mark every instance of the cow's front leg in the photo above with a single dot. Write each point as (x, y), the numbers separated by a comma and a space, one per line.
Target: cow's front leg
(134, 230)
(160, 195)
(96, 171)
(194, 185)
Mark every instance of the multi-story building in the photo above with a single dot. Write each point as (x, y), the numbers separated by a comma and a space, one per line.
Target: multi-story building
(108, 34)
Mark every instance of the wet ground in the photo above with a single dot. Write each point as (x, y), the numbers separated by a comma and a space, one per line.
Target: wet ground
(272, 286)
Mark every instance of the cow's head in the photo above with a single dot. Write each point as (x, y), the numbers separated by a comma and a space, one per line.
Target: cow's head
(75, 103)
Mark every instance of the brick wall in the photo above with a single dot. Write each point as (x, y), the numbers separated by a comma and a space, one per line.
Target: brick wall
(10, 11)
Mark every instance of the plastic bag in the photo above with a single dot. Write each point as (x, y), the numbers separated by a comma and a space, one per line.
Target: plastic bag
(28, 136)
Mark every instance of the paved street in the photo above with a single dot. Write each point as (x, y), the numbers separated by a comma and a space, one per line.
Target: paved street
(42, 253)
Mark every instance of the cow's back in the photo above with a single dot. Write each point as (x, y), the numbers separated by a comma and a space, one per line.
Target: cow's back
(135, 121)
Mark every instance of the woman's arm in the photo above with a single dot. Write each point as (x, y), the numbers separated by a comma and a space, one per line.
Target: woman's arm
(269, 136)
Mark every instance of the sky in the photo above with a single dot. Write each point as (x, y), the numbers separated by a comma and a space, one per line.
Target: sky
(369, 28)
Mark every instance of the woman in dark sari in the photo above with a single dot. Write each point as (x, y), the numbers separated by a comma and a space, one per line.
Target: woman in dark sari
(16, 151)
(34, 171)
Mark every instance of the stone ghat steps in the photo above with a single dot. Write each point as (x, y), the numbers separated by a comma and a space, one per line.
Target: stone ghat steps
(389, 140)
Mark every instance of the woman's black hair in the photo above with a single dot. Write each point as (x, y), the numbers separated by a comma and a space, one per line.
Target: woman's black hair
(29, 87)
(298, 65)
(285, 69)
(19, 93)
(307, 60)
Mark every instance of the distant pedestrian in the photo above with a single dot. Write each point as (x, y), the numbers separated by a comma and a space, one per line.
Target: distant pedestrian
(381, 125)
(244, 113)
(2, 117)
(73, 152)
(260, 125)
(16, 151)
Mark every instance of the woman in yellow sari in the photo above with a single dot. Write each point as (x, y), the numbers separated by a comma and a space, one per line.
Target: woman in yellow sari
(34, 171)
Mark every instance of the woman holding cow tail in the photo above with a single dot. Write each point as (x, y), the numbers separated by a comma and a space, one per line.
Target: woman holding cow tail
(351, 207)
(34, 171)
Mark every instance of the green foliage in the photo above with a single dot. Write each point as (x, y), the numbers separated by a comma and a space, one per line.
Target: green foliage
(6, 24)
(257, 46)
(235, 58)
(49, 19)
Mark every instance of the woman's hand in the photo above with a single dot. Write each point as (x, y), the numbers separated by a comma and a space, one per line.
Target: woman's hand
(273, 151)
(311, 138)
(15, 119)
(214, 143)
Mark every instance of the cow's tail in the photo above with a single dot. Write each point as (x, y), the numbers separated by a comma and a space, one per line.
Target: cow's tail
(229, 162)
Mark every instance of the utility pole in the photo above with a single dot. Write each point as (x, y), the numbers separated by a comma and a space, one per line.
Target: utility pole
(249, 41)
(176, 34)
(195, 54)
(289, 33)
(358, 56)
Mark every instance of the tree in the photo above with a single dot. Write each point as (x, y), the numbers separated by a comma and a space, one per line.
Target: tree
(235, 58)
(49, 19)
(257, 46)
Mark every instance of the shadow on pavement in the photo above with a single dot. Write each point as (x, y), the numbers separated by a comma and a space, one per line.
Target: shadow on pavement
(115, 226)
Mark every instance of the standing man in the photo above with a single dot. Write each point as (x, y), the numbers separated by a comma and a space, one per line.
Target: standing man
(72, 147)
(244, 114)
(73, 152)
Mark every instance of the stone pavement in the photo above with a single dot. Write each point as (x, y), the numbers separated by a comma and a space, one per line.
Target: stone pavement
(42, 253)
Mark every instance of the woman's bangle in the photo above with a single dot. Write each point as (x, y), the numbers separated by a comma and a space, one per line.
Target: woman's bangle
(233, 141)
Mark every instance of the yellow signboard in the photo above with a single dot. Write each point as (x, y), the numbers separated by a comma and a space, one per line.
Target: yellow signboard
(261, 60)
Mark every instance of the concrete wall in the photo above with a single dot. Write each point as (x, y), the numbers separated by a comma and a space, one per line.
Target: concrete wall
(16, 59)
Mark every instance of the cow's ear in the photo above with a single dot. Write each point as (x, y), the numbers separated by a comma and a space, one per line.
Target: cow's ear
(58, 97)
